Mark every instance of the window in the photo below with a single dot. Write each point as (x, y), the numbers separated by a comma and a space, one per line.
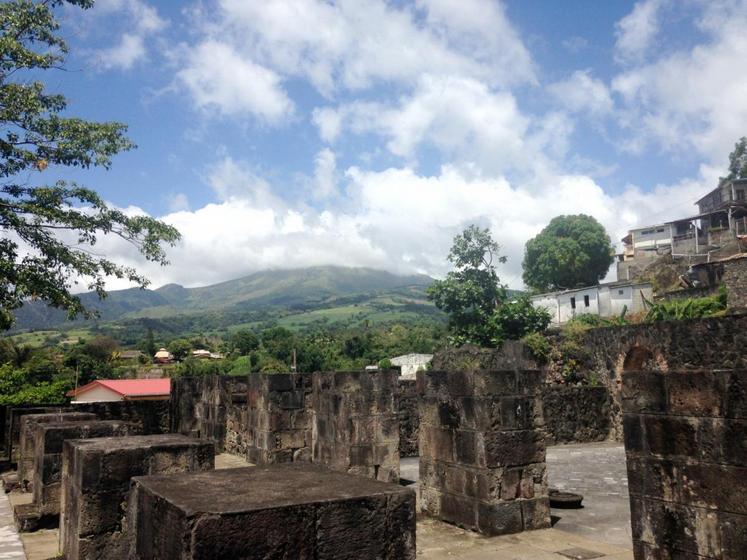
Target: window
(660, 230)
(740, 194)
(586, 301)
(573, 303)
(620, 292)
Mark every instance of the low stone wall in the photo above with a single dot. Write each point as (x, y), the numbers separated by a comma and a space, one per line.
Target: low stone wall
(735, 280)
(356, 426)
(686, 447)
(278, 420)
(409, 419)
(482, 451)
(576, 414)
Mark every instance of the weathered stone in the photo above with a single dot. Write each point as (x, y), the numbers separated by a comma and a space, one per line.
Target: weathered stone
(28, 423)
(97, 473)
(274, 511)
(687, 462)
(482, 452)
(48, 444)
(355, 423)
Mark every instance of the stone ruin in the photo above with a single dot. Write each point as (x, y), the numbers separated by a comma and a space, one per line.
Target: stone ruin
(482, 451)
(481, 432)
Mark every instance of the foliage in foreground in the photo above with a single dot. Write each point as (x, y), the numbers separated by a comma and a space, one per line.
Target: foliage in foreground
(475, 300)
(50, 226)
(690, 308)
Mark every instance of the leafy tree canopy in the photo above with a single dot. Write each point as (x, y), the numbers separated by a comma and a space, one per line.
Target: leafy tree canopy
(244, 342)
(572, 251)
(471, 292)
(50, 226)
(738, 160)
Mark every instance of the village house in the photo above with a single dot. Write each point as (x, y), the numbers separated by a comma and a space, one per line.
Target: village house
(720, 222)
(605, 300)
(410, 364)
(109, 390)
(163, 356)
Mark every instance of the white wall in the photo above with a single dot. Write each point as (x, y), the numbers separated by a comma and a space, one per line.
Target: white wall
(98, 394)
(652, 237)
(550, 303)
(606, 301)
(567, 312)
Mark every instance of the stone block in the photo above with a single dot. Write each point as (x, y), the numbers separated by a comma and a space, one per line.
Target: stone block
(695, 394)
(28, 424)
(272, 511)
(97, 474)
(48, 442)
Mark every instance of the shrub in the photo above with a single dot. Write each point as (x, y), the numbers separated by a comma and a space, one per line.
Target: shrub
(538, 345)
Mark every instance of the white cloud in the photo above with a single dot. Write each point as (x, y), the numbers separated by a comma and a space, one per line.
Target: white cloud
(124, 55)
(178, 202)
(696, 99)
(355, 44)
(581, 92)
(325, 174)
(143, 21)
(637, 31)
(329, 123)
(220, 78)
(396, 220)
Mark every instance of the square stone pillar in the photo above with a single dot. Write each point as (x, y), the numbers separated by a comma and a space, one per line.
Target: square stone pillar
(482, 452)
(356, 423)
(296, 510)
(686, 447)
(28, 424)
(97, 473)
(48, 442)
(278, 418)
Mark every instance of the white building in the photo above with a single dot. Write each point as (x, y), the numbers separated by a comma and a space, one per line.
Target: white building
(410, 364)
(605, 300)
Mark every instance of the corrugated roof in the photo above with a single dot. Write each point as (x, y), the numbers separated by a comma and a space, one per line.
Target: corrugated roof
(129, 387)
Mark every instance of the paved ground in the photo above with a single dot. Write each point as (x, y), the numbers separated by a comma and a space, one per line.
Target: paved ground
(596, 470)
(10, 544)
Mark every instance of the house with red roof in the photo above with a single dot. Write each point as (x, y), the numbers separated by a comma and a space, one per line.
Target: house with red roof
(107, 390)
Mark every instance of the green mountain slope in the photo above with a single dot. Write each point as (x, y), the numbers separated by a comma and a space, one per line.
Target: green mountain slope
(296, 291)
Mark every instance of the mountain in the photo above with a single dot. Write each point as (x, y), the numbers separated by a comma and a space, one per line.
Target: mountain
(297, 289)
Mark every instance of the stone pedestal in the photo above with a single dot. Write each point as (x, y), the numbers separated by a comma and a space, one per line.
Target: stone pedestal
(13, 425)
(279, 419)
(482, 452)
(686, 446)
(356, 424)
(48, 442)
(28, 424)
(297, 511)
(96, 485)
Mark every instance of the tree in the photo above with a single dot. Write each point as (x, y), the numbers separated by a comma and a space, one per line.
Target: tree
(179, 348)
(51, 226)
(572, 251)
(738, 160)
(244, 342)
(515, 319)
(471, 293)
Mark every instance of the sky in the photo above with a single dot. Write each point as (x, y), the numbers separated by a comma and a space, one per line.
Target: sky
(291, 133)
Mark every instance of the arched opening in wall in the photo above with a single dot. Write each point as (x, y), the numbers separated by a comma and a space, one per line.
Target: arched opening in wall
(637, 358)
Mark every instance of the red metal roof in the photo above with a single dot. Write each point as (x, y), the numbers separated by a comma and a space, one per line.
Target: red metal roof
(129, 387)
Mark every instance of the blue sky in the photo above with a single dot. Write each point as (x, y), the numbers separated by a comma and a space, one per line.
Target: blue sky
(300, 132)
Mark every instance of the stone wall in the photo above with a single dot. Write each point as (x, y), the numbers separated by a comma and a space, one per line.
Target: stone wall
(482, 451)
(409, 420)
(576, 414)
(711, 343)
(735, 280)
(686, 447)
(356, 425)
(211, 407)
(278, 418)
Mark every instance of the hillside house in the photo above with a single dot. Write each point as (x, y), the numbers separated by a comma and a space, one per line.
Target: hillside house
(163, 356)
(721, 219)
(109, 390)
(605, 300)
